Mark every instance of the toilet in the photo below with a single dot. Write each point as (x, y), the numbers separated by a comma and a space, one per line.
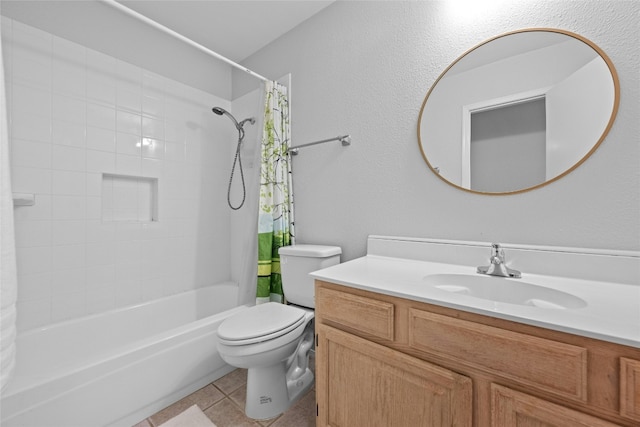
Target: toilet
(272, 340)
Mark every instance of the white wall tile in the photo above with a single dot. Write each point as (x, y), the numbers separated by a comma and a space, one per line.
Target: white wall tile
(93, 208)
(35, 286)
(69, 78)
(31, 180)
(69, 51)
(65, 133)
(129, 122)
(66, 257)
(41, 210)
(174, 131)
(101, 253)
(32, 70)
(69, 109)
(153, 105)
(33, 313)
(30, 126)
(31, 100)
(100, 299)
(30, 154)
(100, 161)
(152, 148)
(69, 232)
(100, 232)
(67, 306)
(152, 167)
(77, 114)
(69, 207)
(101, 64)
(68, 158)
(128, 74)
(100, 276)
(33, 260)
(128, 165)
(68, 280)
(68, 183)
(94, 184)
(127, 143)
(101, 116)
(33, 233)
(152, 128)
(101, 90)
(130, 100)
(101, 139)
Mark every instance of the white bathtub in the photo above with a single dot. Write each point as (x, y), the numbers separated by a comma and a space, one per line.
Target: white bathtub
(119, 367)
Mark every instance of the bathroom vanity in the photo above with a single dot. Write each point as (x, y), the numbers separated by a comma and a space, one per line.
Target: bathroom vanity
(394, 349)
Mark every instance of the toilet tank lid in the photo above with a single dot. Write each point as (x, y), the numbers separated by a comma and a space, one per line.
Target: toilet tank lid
(313, 251)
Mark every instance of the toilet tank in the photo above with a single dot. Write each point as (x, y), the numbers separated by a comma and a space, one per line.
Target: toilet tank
(296, 262)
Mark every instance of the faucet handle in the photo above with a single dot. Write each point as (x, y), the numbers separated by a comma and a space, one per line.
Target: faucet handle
(496, 250)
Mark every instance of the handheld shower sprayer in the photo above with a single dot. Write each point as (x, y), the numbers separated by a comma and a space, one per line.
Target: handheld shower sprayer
(238, 159)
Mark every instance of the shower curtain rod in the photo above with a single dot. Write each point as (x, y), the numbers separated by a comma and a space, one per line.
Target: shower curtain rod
(344, 139)
(133, 13)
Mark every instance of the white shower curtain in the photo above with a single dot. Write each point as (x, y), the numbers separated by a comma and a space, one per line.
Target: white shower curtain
(8, 281)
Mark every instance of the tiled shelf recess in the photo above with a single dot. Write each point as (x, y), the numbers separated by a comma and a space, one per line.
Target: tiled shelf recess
(129, 198)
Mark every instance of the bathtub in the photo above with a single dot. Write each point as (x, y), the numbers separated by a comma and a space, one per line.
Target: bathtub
(119, 367)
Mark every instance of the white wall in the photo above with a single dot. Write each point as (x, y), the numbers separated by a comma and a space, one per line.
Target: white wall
(75, 114)
(578, 120)
(364, 68)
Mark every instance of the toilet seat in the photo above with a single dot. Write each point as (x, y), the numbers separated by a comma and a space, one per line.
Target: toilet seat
(260, 323)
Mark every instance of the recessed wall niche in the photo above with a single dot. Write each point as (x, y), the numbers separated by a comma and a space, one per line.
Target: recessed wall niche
(129, 198)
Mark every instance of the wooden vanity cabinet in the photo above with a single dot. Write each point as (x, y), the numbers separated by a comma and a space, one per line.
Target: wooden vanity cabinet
(387, 361)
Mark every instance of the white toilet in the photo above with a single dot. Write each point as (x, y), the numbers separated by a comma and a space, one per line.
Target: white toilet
(272, 341)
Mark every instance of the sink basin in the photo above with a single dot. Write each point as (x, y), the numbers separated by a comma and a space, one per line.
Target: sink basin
(499, 289)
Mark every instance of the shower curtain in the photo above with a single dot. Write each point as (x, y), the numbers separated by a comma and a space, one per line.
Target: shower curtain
(8, 281)
(275, 212)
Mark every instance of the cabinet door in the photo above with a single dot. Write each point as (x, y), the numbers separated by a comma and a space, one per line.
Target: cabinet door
(510, 408)
(363, 384)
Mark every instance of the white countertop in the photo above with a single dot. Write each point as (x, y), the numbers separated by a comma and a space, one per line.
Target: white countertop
(612, 312)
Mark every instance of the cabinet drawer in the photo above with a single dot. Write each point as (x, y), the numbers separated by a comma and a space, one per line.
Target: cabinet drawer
(510, 408)
(361, 314)
(630, 388)
(545, 364)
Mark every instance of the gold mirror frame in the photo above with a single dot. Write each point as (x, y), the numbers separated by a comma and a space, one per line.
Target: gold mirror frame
(616, 102)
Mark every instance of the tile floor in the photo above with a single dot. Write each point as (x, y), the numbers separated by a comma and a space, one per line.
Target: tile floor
(223, 402)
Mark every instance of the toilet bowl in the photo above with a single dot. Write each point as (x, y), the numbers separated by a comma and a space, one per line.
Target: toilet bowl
(277, 362)
(273, 341)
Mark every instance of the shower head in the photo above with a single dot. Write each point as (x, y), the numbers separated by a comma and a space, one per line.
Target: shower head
(220, 111)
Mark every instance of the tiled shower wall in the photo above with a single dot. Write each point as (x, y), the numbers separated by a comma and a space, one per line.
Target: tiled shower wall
(97, 139)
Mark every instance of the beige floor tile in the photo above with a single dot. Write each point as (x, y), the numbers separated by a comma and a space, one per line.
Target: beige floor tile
(206, 396)
(232, 381)
(302, 414)
(227, 414)
(170, 411)
(239, 397)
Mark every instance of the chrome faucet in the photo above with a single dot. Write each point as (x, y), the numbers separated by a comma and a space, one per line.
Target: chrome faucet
(497, 266)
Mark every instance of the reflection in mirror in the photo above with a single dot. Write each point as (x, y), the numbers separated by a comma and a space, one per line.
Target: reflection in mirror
(518, 111)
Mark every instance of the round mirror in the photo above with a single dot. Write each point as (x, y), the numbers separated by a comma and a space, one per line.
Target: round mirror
(518, 111)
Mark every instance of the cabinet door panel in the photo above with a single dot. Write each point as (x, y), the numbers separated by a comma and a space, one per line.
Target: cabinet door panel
(366, 315)
(510, 408)
(548, 365)
(630, 388)
(361, 383)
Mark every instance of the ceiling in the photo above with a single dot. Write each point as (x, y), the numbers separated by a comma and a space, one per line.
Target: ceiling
(235, 29)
